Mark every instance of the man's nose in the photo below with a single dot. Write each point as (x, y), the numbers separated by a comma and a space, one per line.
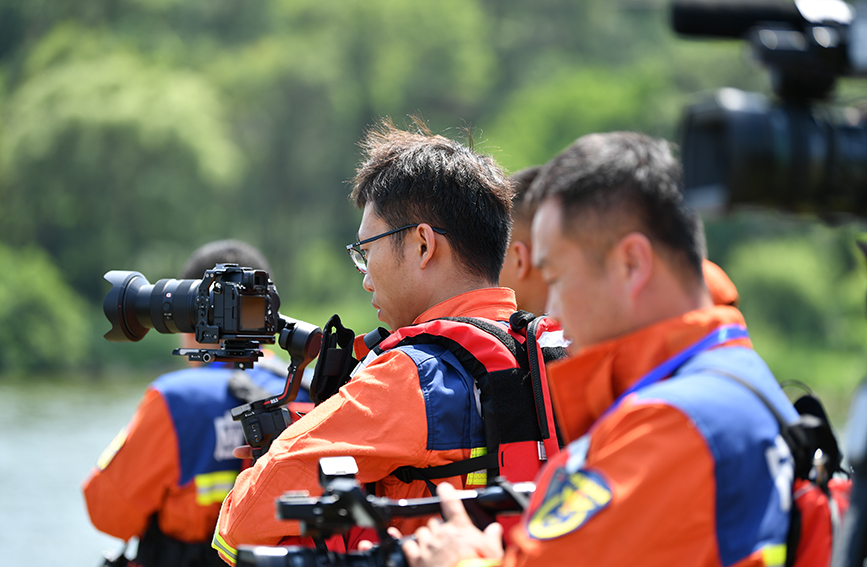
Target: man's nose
(366, 283)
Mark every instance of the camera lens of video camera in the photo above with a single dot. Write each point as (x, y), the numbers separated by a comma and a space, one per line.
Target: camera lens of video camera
(795, 152)
(738, 147)
(229, 302)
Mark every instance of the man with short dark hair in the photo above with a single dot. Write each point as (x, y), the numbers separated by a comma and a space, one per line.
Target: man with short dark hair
(672, 460)
(433, 234)
(165, 475)
(518, 271)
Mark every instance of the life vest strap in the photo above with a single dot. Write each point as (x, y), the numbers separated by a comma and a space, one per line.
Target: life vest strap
(457, 468)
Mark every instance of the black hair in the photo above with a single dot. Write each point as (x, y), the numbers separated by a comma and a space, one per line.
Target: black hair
(223, 252)
(523, 207)
(419, 177)
(618, 182)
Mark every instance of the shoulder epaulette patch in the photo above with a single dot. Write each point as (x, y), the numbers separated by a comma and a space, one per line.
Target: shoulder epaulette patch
(571, 500)
(109, 452)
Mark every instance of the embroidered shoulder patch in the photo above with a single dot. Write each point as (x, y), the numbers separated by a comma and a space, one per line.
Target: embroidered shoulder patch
(571, 500)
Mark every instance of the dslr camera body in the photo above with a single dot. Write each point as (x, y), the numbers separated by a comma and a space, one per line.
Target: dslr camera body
(230, 304)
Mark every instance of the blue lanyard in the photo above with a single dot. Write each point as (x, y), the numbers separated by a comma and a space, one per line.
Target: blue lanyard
(578, 448)
(715, 338)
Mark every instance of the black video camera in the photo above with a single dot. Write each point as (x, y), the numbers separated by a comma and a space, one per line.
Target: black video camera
(233, 306)
(795, 153)
(343, 505)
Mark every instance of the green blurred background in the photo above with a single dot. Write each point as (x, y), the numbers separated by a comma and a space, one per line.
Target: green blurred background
(132, 131)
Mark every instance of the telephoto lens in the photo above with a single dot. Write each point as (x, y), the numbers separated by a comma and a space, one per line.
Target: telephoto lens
(134, 305)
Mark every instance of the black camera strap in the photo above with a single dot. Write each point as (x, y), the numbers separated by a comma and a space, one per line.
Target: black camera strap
(336, 362)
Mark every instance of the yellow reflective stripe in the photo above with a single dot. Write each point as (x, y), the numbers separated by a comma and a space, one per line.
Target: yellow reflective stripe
(212, 488)
(226, 552)
(774, 555)
(109, 452)
(478, 478)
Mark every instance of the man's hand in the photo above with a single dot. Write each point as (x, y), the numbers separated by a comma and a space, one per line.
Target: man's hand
(243, 452)
(445, 544)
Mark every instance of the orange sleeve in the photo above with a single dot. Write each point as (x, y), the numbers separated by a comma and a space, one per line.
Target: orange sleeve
(660, 475)
(379, 418)
(126, 488)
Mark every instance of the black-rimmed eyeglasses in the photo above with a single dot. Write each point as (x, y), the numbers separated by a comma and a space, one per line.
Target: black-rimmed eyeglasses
(359, 256)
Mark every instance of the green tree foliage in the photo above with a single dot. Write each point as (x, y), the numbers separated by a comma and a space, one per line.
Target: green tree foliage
(102, 156)
(803, 287)
(544, 114)
(540, 117)
(132, 131)
(44, 324)
(303, 92)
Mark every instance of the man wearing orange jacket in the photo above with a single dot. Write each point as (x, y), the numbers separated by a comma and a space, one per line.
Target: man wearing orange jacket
(165, 475)
(433, 234)
(671, 460)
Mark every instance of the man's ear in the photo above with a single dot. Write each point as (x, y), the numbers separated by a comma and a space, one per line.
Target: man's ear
(634, 257)
(426, 243)
(524, 259)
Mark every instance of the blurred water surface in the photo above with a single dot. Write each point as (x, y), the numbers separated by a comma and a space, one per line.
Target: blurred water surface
(51, 433)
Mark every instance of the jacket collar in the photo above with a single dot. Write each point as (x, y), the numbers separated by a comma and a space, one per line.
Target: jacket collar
(585, 385)
(495, 303)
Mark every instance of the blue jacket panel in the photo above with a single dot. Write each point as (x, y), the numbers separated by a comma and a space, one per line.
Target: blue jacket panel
(453, 420)
(743, 437)
(200, 405)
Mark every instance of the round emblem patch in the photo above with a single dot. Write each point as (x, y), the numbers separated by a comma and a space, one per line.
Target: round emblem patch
(571, 500)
